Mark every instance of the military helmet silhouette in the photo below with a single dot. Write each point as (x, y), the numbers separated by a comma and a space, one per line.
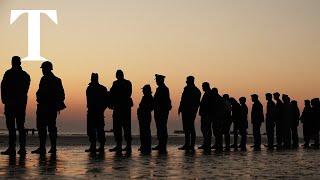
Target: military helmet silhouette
(47, 65)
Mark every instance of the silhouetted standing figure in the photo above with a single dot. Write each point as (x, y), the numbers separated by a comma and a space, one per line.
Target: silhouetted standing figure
(189, 104)
(244, 123)
(279, 119)
(227, 121)
(121, 104)
(205, 112)
(295, 124)
(270, 120)
(287, 121)
(306, 119)
(236, 119)
(217, 118)
(315, 103)
(257, 118)
(96, 103)
(14, 95)
(144, 117)
(50, 98)
(162, 107)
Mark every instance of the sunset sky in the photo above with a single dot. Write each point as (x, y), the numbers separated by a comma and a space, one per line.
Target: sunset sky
(240, 47)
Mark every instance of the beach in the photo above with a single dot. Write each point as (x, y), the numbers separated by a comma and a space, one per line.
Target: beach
(72, 162)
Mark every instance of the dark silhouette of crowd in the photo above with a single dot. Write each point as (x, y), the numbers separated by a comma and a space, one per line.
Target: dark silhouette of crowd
(218, 114)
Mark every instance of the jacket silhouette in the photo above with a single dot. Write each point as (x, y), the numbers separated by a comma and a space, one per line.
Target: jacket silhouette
(97, 99)
(14, 94)
(189, 104)
(270, 120)
(306, 119)
(295, 124)
(162, 106)
(244, 123)
(144, 117)
(279, 119)
(237, 121)
(121, 103)
(257, 118)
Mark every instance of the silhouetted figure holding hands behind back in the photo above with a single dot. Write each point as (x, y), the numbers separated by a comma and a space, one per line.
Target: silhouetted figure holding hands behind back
(295, 124)
(50, 98)
(97, 103)
(306, 119)
(14, 95)
(144, 117)
(205, 112)
(121, 104)
(270, 120)
(257, 118)
(189, 104)
(162, 106)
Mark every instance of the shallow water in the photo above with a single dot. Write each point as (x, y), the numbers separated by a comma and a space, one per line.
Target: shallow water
(72, 162)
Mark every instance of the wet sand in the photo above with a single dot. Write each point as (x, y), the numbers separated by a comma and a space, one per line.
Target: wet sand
(72, 162)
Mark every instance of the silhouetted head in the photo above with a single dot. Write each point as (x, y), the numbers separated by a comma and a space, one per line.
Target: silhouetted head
(276, 95)
(313, 102)
(119, 74)
(146, 89)
(206, 87)
(285, 98)
(294, 103)
(46, 67)
(160, 79)
(226, 96)
(16, 61)
(242, 100)
(233, 101)
(268, 96)
(254, 97)
(190, 80)
(215, 91)
(94, 77)
(307, 103)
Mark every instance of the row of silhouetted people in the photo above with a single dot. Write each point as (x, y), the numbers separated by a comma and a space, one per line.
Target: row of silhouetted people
(217, 113)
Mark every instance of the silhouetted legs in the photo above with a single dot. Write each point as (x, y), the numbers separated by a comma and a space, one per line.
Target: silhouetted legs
(287, 137)
(294, 135)
(243, 142)
(189, 129)
(145, 134)
(226, 132)
(279, 134)
(206, 132)
(95, 130)
(307, 133)
(270, 132)
(256, 135)
(122, 119)
(161, 119)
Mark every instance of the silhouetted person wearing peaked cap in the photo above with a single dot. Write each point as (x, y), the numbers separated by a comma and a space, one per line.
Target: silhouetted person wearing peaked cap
(306, 119)
(97, 102)
(257, 118)
(189, 104)
(279, 119)
(121, 104)
(162, 107)
(50, 98)
(295, 124)
(205, 112)
(270, 120)
(144, 117)
(14, 95)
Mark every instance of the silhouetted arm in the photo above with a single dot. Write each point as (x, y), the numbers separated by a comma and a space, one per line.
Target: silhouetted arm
(4, 91)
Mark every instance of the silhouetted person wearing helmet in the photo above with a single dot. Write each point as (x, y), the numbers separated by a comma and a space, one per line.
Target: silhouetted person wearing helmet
(217, 118)
(97, 102)
(279, 119)
(287, 121)
(295, 124)
(257, 118)
(236, 119)
(270, 120)
(315, 103)
(14, 95)
(189, 104)
(144, 117)
(205, 112)
(50, 98)
(244, 123)
(306, 119)
(162, 107)
(121, 104)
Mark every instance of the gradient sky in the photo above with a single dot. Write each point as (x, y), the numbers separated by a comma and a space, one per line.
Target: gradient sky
(240, 47)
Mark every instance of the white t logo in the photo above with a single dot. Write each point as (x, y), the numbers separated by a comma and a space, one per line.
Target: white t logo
(34, 30)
